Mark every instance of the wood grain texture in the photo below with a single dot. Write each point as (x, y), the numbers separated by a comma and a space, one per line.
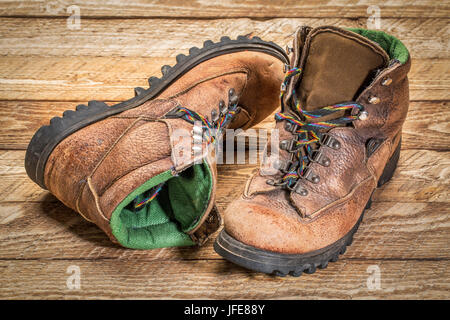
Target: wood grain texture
(217, 279)
(229, 8)
(113, 78)
(421, 176)
(425, 37)
(49, 230)
(47, 68)
(427, 125)
(409, 218)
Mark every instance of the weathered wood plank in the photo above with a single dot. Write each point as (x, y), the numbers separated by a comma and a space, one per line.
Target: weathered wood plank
(425, 37)
(421, 176)
(409, 218)
(76, 78)
(406, 233)
(220, 280)
(233, 8)
(427, 125)
(49, 230)
(113, 78)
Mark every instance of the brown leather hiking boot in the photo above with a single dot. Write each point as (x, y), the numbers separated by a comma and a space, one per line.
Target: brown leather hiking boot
(140, 169)
(344, 101)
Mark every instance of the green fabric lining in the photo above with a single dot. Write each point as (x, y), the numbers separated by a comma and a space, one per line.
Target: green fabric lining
(164, 221)
(393, 46)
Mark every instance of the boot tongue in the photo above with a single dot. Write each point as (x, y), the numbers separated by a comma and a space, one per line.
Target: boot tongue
(335, 65)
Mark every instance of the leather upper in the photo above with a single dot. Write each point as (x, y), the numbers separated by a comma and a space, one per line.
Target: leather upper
(275, 219)
(95, 168)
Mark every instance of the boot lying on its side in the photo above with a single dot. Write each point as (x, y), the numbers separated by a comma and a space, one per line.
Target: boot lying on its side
(133, 168)
(344, 101)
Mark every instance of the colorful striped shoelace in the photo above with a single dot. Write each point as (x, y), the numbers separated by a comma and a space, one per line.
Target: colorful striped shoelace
(212, 128)
(309, 130)
(152, 196)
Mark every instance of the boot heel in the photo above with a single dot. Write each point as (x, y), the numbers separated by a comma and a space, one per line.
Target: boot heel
(390, 167)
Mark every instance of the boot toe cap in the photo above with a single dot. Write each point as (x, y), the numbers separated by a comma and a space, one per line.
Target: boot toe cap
(256, 224)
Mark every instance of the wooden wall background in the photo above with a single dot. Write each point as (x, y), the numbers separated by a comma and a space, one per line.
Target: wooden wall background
(46, 68)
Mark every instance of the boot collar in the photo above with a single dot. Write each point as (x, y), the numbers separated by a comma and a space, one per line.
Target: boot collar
(301, 47)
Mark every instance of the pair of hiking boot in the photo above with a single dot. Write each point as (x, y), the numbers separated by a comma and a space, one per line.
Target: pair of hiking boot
(144, 172)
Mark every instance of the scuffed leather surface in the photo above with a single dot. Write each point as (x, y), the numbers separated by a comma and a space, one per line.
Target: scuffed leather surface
(77, 155)
(255, 76)
(95, 168)
(346, 171)
(277, 220)
(270, 223)
(387, 117)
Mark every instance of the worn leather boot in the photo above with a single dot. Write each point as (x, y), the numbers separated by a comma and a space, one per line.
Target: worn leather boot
(141, 169)
(344, 101)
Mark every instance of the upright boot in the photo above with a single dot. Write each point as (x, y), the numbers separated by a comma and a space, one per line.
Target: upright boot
(344, 101)
(140, 169)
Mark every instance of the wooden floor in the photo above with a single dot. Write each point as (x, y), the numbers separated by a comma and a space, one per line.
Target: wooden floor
(46, 68)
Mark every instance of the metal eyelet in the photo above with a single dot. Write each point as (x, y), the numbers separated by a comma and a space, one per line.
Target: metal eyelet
(222, 106)
(276, 183)
(214, 115)
(298, 188)
(289, 145)
(290, 127)
(318, 157)
(232, 97)
(330, 142)
(374, 100)
(363, 115)
(386, 81)
(282, 165)
(301, 191)
(372, 145)
(310, 176)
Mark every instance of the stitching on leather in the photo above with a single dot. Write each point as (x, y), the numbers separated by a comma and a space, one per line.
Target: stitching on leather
(246, 193)
(370, 167)
(244, 88)
(113, 145)
(135, 117)
(172, 157)
(96, 198)
(133, 169)
(77, 202)
(240, 70)
(315, 215)
(376, 82)
(251, 195)
(100, 161)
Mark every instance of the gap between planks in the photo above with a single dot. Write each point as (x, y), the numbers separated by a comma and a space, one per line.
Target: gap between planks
(231, 9)
(221, 280)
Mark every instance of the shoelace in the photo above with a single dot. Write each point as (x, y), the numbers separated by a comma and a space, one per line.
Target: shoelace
(154, 192)
(212, 128)
(308, 133)
(219, 118)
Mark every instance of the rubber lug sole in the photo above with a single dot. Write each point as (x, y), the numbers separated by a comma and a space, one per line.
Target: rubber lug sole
(48, 137)
(280, 264)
